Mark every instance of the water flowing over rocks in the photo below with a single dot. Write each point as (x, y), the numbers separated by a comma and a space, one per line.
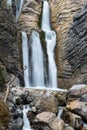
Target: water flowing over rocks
(43, 114)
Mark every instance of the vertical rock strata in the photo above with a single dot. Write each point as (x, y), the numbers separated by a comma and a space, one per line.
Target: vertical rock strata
(69, 21)
(30, 16)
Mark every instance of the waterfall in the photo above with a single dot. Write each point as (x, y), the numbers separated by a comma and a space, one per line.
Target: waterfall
(37, 60)
(50, 37)
(9, 2)
(25, 58)
(26, 125)
(35, 74)
(18, 4)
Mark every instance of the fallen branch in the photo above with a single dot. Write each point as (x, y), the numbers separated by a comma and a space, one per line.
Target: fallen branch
(8, 85)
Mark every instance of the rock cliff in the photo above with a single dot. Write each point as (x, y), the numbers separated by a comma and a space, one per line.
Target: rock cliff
(9, 56)
(69, 21)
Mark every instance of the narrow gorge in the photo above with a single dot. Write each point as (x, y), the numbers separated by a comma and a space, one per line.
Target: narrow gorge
(43, 75)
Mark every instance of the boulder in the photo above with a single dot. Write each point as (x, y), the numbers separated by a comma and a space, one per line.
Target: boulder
(80, 108)
(50, 118)
(76, 91)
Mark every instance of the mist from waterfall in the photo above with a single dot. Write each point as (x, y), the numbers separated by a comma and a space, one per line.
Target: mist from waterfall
(50, 37)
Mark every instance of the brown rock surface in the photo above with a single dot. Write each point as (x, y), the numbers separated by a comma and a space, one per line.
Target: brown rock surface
(70, 49)
(4, 115)
(79, 108)
(77, 91)
(51, 119)
(29, 18)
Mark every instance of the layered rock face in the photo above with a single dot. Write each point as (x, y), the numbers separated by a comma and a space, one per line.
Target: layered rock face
(29, 18)
(69, 21)
(9, 56)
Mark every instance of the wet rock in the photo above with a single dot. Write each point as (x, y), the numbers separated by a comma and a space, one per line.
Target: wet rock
(80, 108)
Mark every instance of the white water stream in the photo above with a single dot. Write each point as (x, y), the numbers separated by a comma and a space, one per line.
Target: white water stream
(50, 37)
(37, 60)
(18, 4)
(9, 2)
(33, 55)
(26, 125)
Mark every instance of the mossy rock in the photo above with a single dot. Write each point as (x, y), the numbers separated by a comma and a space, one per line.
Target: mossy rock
(4, 115)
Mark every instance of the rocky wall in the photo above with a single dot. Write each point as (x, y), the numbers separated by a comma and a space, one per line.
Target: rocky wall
(9, 55)
(69, 21)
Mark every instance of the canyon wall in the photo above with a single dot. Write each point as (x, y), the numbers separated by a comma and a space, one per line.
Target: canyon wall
(9, 56)
(68, 19)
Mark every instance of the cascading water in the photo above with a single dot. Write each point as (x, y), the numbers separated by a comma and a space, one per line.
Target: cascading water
(9, 2)
(50, 37)
(18, 4)
(25, 58)
(36, 60)
(26, 125)
(35, 75)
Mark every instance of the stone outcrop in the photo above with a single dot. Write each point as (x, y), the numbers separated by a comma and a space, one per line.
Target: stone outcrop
(78, 107)
(9, 56)
(30, 16)
(50, 118)
(69, 19)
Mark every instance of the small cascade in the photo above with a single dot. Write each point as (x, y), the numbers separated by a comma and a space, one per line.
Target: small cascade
(36, 60)
(25, 58)
(26, 125)
(60, 111)
(50, 37)
(9, 2)
(18, 4)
